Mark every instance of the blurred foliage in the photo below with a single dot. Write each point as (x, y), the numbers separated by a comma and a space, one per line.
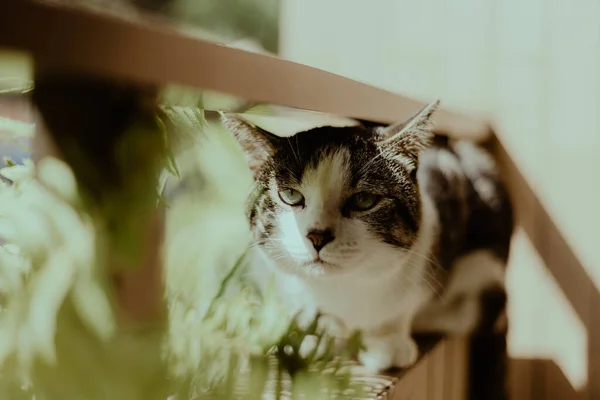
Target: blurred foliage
(223, 339)
(231, 19)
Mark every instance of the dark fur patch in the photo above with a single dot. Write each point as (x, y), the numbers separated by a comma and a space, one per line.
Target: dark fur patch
(468, 222)
(489, 227)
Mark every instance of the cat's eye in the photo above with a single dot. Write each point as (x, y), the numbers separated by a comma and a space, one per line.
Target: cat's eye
(291, 197)
(362, 201)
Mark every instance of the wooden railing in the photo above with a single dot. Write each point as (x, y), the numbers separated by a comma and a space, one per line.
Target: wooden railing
(78, 42)
(68, 43)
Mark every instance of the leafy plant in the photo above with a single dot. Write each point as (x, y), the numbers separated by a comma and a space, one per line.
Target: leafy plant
(223, 338)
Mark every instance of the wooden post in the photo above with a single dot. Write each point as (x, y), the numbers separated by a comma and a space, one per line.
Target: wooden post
(84, 121)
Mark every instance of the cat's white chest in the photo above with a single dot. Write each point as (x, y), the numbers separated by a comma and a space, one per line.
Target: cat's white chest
(357, 302)
(367, 306)
(362, 308)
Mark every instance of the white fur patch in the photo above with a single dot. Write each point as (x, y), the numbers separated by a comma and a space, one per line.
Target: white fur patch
(447, 163)
(475, 163)
(324, 190)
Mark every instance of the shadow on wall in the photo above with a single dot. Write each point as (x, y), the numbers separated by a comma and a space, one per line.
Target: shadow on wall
(543, 378)
(537, 372)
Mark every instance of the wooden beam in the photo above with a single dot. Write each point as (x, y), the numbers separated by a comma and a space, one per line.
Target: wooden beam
(108, 164)
(68, 40)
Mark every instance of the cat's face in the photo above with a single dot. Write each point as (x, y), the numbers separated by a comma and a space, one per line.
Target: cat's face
(332, 201)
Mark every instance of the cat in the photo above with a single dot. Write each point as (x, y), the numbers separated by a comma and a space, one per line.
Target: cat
(379, 227)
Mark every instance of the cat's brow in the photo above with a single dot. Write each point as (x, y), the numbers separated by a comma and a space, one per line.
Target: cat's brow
(330, 173)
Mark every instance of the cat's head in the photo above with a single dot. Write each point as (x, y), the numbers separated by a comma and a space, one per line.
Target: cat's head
(333, 200)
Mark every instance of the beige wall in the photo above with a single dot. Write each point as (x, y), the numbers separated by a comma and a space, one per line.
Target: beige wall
(533, 69)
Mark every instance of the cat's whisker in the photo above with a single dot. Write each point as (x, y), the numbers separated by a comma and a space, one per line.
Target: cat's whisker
(381, 154)
(419, 271)
(426, 277)
(425, 256)
(298, 148)
(418, 281)
(278, 257)
(266, 242)
(408, 277)
(294, 152)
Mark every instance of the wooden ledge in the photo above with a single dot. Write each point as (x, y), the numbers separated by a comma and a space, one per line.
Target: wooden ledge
(71, 41)
(440, 374)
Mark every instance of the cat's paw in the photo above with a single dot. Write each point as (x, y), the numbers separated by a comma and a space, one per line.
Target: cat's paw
(377, 357)
(406, 353)
(382, 354)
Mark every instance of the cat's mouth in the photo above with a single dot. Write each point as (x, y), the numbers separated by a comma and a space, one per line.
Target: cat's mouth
(319, 262)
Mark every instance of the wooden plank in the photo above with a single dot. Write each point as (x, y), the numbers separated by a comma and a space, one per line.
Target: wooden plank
(520, 377)
(557, 386)
(594, 345)
(456, 369)
(437, 370)
(403, 385)
(413, 385)
(440, 374)
(451, 377)
(77, 42)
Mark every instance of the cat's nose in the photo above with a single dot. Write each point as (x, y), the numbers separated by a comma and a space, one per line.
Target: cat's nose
(320, 237)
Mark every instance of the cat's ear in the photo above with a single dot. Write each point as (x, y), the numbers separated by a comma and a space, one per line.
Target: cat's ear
(411, 136)
(257, 143)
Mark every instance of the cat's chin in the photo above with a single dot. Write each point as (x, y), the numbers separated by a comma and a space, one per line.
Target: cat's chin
(309, 270)
(315, 269)
(319, 263)
(321, 269)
